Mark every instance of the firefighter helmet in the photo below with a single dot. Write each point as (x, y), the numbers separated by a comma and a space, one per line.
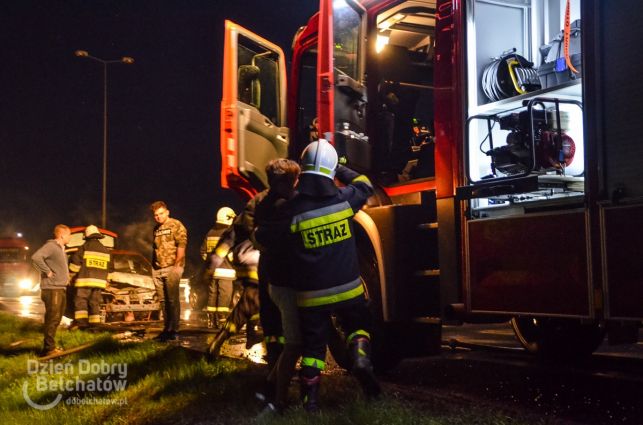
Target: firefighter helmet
(319, 158)
(92, 232)
(225, 215)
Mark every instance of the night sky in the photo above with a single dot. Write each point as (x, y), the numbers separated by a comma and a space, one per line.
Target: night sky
(163, 110)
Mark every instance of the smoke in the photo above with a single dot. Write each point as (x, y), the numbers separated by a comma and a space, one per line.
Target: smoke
(8, 230)
(137, 236)
(83, 214)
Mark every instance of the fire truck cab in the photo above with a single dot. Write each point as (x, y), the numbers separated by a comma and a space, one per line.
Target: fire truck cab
(502, 138)
(17, 276)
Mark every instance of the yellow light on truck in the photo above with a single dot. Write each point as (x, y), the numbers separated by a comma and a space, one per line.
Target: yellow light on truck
(380, 42)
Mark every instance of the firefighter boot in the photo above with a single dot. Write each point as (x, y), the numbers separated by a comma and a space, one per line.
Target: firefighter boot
(310, 393)
(80, 324)
(360, 349)
(252, 337)
(215, 346)
(212, 321)
(273, 351)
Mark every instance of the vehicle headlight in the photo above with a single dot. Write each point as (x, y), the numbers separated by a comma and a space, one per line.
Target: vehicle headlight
(25, 283)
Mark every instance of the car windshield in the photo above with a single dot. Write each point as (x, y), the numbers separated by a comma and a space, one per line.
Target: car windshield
(131, 263)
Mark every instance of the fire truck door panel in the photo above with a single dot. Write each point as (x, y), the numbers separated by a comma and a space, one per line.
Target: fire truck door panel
(342, 94)
(253, 108)
(622, 268)
(259, 142)
(622, 98)
(533, 264)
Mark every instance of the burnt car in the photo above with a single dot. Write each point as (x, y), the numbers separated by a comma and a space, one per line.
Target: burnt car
(130, 289)
(130, 293)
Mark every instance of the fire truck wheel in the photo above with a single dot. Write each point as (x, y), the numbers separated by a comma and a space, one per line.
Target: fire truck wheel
(557, 340)
(385, 341)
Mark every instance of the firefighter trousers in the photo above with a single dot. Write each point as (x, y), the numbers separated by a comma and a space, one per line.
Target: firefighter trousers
(316, 322)
(220, 287)
(220, 296)
(87, 305)
(246, 310)
(269, 314)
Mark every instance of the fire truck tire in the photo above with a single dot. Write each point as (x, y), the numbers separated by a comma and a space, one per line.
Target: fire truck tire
(385, 343)
(557, 340)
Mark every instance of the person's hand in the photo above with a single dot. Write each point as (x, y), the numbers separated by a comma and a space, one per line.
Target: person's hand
(50, 274)
(175, 272)
(215, 261)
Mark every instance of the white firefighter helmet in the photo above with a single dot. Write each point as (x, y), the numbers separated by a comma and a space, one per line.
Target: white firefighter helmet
(319, 158)
(225, 215)
(92, 231)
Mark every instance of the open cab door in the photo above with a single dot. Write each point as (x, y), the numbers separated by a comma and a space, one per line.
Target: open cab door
(253, 109)
(342, 93)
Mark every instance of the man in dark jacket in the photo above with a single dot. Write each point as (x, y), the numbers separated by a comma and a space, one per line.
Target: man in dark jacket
(279, 316)
(92, 263)
(325, 265)
(51, 261)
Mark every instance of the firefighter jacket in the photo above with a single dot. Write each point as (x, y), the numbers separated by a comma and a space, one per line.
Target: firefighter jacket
(321, 237)
(236, 240)
(93, 263)
(211, 239)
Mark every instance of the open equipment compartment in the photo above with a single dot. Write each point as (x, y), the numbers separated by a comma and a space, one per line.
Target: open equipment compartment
(524, 165)
(524, 148)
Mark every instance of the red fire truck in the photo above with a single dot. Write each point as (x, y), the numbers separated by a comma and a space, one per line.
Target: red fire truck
(17, 277)
(502, 136)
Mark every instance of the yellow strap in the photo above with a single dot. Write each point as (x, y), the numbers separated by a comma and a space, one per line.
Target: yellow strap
(362, 178)
(313, 362)
(512, 64)
(330, 299)
(566, 35)
(88, 282)
(250, 274)
(218, 309)
(221, 273)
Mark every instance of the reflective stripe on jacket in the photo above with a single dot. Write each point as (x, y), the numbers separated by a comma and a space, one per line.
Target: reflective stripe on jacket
(322, 238)
(235, 240)
(93, 263)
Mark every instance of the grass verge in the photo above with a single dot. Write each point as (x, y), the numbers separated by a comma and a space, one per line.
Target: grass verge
(167, 384)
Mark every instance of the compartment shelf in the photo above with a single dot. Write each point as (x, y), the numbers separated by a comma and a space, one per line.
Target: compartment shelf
(569, 90)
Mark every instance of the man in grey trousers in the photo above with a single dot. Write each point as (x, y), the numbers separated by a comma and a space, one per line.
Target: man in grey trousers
(51, 261)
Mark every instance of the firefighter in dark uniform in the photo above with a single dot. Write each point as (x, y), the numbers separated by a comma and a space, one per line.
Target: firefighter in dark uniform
(220, 280)
(92, 264)
(245, 260)
(325, 266)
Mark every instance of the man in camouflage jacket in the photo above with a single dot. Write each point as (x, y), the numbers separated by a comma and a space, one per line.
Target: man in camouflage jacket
(168, 261)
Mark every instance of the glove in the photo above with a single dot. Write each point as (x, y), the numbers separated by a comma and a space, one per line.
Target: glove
(215, 261)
